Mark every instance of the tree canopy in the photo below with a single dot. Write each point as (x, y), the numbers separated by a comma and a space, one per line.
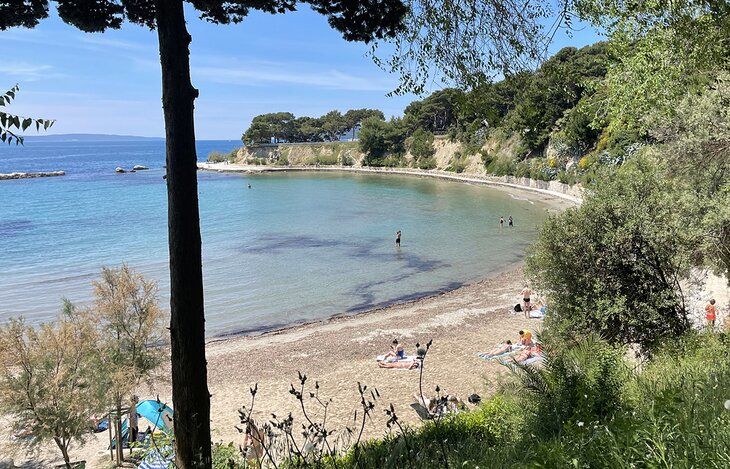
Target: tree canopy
(284, 127)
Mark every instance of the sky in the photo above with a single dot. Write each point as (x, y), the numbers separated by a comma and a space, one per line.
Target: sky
(110, 82)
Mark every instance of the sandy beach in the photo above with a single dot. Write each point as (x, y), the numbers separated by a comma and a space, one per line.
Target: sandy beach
(340, 352)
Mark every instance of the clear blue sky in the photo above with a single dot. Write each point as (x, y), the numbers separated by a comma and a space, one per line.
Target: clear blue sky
(110, 82)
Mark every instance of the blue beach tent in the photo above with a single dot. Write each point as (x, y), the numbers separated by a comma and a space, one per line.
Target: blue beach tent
(156, 413)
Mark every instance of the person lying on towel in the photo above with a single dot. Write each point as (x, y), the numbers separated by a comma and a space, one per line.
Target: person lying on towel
(403, 365)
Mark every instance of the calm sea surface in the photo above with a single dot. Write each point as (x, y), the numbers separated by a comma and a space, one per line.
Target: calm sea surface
(294, 247)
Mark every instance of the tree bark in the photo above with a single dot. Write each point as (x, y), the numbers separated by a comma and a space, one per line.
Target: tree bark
(64, 452)
(190, 395)
(118, 431)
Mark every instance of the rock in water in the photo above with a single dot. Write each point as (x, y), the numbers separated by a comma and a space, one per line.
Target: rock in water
(31, 175)
(139, 167)
(119, 170)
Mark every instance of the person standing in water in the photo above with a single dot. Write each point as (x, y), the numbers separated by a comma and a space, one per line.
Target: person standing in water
(397, 238)
(501, 222)
(509, 222)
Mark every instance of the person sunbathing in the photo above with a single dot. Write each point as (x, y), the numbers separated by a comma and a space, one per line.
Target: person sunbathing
(403, 364)
(396, 352)
(504, 347)
(524, 355)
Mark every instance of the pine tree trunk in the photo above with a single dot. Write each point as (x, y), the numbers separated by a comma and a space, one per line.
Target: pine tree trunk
(190, 396)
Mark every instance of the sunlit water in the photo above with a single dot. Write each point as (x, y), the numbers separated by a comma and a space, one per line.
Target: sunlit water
(293, 247)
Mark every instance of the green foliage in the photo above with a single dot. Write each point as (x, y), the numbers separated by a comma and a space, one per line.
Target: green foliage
(276, 126)
(217, 157)
(614, 264)
(284, 127)
(379, 139)
(696, 145)
(458, 164)
(19, 123)
(664, 49)
(51, 378)
(437, 113)
(227, 456)
(559, 85)
(326, 160)
(580, 382)
(420, 144)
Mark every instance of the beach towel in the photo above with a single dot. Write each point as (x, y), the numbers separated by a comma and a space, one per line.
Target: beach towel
(486, 356)
(537, 314)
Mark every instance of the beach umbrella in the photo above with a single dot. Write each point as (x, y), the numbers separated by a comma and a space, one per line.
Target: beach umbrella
(157, 460)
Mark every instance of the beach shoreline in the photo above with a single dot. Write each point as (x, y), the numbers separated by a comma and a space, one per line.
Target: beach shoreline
(564, 199)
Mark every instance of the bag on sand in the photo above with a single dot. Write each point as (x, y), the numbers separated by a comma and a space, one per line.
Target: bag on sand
(518, 308)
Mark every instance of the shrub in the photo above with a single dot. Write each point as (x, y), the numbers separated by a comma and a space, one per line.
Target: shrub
(217, 157)
(426, 163)
(458, 163)
(227, 456)
(614, 264)
(326, 160)
(421, 144)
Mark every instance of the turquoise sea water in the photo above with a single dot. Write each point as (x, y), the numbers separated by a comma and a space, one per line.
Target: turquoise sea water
(295, 247)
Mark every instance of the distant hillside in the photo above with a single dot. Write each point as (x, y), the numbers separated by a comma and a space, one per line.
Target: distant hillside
(89, 138)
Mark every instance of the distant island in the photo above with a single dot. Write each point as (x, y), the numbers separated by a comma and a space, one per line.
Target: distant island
(89, 138)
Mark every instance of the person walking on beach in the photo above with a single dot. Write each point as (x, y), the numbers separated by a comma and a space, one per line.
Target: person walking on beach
(711, 314)
(397, 238)
(509, 222)
(526, 293)
(501, 222)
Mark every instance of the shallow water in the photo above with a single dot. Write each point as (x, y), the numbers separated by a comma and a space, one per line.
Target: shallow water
(294, 247)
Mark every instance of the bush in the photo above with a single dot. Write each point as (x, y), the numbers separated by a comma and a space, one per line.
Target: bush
(326, 160)
(421, 144)
(580, 383)
(458, 163)
(227, 457)
(426, 163)
(217, 157)
(614, 264)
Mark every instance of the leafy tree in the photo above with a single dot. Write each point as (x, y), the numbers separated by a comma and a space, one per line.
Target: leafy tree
(421, 146)
(50, 378)
(279, 126)
(379, 137)
(10, 121)
(307, 129)
(130, 321)
(663, 49)
(356, 20)
(333, 125)
(466, 42)
(613, 265)
(695, 143)
(437, 112)
(372, 139)
(354, 117)
(558, 86)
